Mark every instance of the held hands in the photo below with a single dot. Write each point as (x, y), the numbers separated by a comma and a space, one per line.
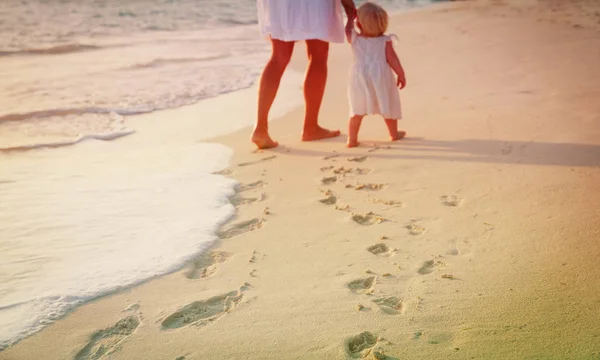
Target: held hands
(349, 25)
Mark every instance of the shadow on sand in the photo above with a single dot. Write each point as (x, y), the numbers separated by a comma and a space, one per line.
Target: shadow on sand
(471, 150)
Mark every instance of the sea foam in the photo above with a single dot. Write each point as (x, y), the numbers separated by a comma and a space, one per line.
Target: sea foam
(79, 225)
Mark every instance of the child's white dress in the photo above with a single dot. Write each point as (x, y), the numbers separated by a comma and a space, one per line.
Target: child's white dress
(372, 89)
(295, 20)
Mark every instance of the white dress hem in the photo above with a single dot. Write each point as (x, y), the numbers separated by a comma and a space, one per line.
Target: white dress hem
(298, 20)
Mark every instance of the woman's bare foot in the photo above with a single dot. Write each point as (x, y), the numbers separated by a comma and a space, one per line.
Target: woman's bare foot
(352, 143)
(263, 141)
(319, 134)
(399, 135)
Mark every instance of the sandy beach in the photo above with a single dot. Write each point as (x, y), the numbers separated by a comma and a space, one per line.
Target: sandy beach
(476, 237)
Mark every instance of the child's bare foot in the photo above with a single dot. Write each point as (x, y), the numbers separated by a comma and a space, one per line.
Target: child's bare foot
(352, 143)
(398, 136)
(353, 129)
(319, 133)
(263, 141)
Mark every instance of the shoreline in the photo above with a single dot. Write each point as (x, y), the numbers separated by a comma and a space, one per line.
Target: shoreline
(153, 132)
(435, 226)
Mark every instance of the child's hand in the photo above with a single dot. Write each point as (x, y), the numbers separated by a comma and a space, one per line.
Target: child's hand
(401, 83)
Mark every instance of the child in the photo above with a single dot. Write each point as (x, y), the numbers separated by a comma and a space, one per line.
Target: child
(373, 88)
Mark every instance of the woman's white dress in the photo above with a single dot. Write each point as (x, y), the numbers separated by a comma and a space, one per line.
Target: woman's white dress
(295, 20)
(372, 88)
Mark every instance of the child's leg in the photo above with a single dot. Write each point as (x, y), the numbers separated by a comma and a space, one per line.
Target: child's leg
(353, 128)
(392, 125)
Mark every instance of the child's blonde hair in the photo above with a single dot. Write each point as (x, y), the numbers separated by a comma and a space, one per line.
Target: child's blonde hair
(373, 19)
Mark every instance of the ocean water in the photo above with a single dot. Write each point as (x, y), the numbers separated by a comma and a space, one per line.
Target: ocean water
(71, 69)
(78, 222)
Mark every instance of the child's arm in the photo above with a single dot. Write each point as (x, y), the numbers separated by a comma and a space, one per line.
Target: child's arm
(349, 30)
(394, 62)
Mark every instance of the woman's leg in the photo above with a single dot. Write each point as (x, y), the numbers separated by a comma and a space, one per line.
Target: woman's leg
(314, 88)
(269, 84)
(353, 128)
(392, 125)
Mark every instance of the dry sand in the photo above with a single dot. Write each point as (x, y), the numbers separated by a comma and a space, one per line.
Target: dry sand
(476, 237)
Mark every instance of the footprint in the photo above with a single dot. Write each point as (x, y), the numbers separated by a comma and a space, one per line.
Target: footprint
(367, 219)
(251, 186)
(329, 180)
(449, 277)
(131, 308)
(429, 266)
(341, 170)
(329, 200)
(453, 251)
(204, 266)
(361, 286)
(254, 256)
(451, 200)
(362, 171)
(379, 249)
(369, 186)
(378, 148)
(344, 171)
(204, 273)
(237, 200)
(241, 227)
(258, 161)
(385, 202)
(359, 346)
(415, 229)
(440, 338)
(203, 312)
(343, 207)
(105, 341)
(328, 157)
(391, 305)
(357, 159)
(224, 172)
